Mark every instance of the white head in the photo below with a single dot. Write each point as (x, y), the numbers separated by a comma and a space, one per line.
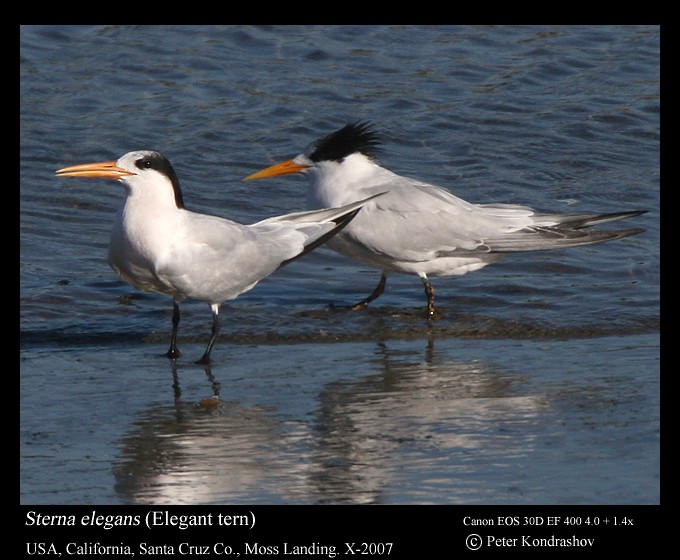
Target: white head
(142, 172)
(353, 144)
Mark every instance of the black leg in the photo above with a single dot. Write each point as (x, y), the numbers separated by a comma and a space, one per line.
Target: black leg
(429, 292)
(374, 295)
(215, 331)
(174, 353)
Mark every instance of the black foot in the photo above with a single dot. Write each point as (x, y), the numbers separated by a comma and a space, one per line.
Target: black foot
(356, 307)
(173, 353)
(433, 315)
(364, 302)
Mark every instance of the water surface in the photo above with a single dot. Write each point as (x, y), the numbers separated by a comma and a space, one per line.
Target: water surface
(540, 384)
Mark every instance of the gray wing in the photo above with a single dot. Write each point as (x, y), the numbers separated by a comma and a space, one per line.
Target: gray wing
(416, 221)
(563, 231)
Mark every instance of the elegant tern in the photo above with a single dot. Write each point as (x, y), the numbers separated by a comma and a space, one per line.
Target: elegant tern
(423, 229)
(158, 245)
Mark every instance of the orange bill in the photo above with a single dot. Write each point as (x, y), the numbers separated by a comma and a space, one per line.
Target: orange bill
(283, 168)
(107, 169)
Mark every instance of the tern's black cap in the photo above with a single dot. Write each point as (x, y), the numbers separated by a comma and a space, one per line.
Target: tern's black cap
(352, 138)
(158, 162)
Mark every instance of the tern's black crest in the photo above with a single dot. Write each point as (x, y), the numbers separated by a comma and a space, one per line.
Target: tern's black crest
(154, 160)
(352, 138)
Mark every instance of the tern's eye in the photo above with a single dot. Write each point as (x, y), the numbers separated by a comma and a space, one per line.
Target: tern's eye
(144, 163)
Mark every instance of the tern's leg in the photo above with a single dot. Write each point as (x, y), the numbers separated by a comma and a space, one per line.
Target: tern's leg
(215, 330)
(374, 295)
(174, 352)
(429, 292)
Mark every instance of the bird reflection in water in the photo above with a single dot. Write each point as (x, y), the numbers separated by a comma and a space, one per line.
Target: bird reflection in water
(206, 402)
(414, 427)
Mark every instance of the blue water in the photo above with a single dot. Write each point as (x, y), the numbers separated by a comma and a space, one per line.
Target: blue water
(540, 384)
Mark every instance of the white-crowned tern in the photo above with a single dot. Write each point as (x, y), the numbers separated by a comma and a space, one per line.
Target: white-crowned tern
(158, 245)
(423, 229)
